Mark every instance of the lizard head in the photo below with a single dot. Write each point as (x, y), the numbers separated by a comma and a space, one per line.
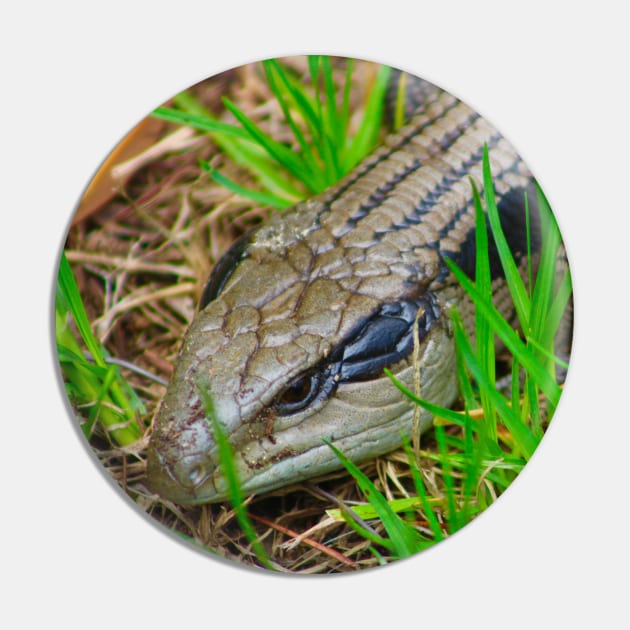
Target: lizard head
(287, 350)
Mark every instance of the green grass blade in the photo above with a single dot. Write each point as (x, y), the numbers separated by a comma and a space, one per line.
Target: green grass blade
(287, 158)
(515, 389)
(478, 440)
(367, 511)
(82, 384)
(319, 136)
(509, 337)
(369, 129)
(326, 169)
(523, 437)
(265, 170)
(535, 414)
(344, 116)
(452, 516)
(89, 387)
(472, 468)
(352, 519)
(332, 115)
(305, 147)
(379, 557)
(528, 233)
(70, 291)
(542, 296)
(320, 66)
(512, 275)
(226, 461)
(332, 124)
(321, 160)
(326, 124)
(456, 417)
(484, 335)
(548, 355)
(260, 197)
(314, 70)
(304, 105)
(558, 308)
(187, 102)
(203, 123)
(113, 400)
(509, 463)
(404, 538)
(427, 509)
(240, 147)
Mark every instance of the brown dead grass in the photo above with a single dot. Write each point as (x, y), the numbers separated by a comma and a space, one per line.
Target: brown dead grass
(141, 246)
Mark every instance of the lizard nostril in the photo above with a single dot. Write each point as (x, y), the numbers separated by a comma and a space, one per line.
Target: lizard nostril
(197, 474)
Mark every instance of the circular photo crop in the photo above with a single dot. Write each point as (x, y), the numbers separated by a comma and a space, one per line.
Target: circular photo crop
(313, 315)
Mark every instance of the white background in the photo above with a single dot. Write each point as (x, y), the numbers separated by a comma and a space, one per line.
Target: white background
(552, 76)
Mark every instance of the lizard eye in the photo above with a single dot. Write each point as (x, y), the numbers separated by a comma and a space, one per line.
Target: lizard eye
(298, 394)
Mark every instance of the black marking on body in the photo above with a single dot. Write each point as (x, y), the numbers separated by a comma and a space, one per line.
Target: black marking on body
(513, 220)
(379, 341)
(385, 339)
(224, 268)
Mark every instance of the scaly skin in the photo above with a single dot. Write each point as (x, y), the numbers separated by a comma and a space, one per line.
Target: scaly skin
(296, 294)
